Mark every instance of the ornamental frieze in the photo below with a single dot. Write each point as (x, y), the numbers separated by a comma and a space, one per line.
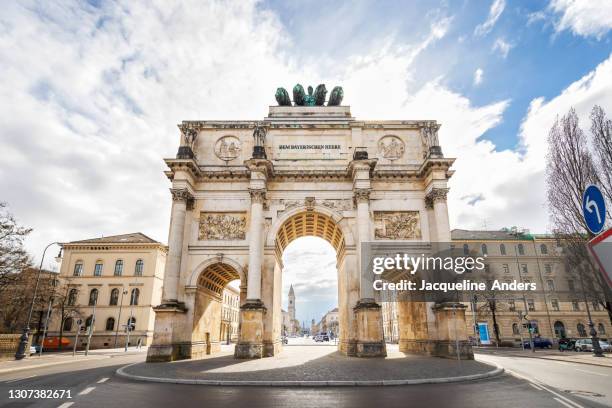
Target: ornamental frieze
(338, 205)
(227, 148)
(397, 225)
(222, 226)
(391, 147)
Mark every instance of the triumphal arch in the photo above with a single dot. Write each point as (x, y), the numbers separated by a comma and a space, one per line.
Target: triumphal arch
(243, 190)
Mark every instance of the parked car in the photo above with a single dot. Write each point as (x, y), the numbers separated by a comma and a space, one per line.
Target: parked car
(321, 337)
(285, 340)
(33, 350)
(587, 345)
(539, 342)
(566, 344)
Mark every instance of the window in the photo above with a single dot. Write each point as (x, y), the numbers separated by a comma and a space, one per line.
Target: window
(543, 249)
(511, 305)
(466, 249)
(119, 267)
(68, 324)
(601, 329)
(78, 268)
(531, 305)
(555, 304)
(139, 267)
(98, 269)
(548, 268)
(570, 285)
(89, 321)
(521, 249)
(596, 307)
(93, 297)
(114, 297)
(506, 268)
(524, 268)
(502, 249)
(575, 306)
(131, 324)
(551, 285)
(72, 297)
(484, 249)
(110, 324)
(515, 329)
(581, 330)
(134, 297)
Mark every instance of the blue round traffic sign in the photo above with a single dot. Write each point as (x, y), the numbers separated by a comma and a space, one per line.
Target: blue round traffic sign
(594, 209)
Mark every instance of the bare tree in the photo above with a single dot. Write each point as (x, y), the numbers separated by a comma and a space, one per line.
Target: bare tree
(13, 256)
(601, 129)
(570, 168)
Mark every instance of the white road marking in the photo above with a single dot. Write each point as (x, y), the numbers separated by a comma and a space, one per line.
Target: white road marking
(592, 372)
(562, 403)
(19, 379)
(87, 390)
(535, 386)
(66, 405)
(540, 384)
(103, 380)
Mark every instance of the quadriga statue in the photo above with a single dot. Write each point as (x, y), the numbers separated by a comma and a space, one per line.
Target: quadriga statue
(316, 98)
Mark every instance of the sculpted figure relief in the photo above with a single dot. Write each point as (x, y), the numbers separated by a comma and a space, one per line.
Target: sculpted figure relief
(222, 226)
(397, 225)
(227, 148)
(391, 147)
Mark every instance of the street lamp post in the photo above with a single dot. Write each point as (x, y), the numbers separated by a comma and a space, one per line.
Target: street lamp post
(23, 342)
(93, 324)
(123, 292)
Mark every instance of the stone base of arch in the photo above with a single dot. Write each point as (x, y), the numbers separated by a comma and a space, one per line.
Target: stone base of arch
(369, 336)
(167, 343)
(251, 339)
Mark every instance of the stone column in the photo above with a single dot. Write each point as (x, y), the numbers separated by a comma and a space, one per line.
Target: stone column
(437, 198)
(251, 342)
(362, 200)
(181, 199)
(172, 333)
(255, 245)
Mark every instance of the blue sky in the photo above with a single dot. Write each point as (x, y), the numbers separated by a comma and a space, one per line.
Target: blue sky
(92, 92)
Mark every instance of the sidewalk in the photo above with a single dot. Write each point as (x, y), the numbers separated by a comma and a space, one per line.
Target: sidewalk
(567, 356)
(310, 366)
(55, 358)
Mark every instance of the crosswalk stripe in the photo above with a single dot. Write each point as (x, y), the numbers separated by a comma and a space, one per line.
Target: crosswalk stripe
(87, 390)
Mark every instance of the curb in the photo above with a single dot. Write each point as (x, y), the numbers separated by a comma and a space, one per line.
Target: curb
(32, 367)
(331, 383)
(594, 363)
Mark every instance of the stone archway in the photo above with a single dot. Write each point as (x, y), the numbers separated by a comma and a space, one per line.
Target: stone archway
(302, 171)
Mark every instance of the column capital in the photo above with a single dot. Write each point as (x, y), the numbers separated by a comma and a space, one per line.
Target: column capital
(361, 195)
(435, 195)
(182, 194)
(258, 195)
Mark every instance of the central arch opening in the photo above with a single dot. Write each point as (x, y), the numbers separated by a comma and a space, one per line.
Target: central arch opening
(311, 248)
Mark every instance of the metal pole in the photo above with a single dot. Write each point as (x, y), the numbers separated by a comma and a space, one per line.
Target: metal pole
(518, 266)
(550, 325)
(42, 343)
(123, 292)
(23, 342)
(456, 335)
(93, 325)
(129, 325)
(76, 339)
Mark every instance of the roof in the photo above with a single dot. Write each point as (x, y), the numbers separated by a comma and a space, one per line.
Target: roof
(503, 234)
(291, 290)
(133, 238)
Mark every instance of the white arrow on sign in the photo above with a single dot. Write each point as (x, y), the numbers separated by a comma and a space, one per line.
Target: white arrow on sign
(589, 206)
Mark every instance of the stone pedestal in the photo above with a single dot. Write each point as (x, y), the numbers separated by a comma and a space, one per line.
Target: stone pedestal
(251, 343)
(370, 341)
(452, 332)
(168, 344)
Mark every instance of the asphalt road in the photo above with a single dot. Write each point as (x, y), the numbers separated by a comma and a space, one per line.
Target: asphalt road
(93, 384)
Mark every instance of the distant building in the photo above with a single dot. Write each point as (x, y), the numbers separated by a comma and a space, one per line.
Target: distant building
(113, 283)
(292, 325)
(329, 322)
(230, 313)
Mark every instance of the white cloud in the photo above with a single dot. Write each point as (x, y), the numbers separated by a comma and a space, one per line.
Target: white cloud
(502, 46)
(496, 10)
(478, 76)
(583, 17)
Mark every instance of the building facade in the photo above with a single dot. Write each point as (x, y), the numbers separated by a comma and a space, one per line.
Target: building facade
(329, 323)
(230, 313)
(557, 311)
(112, 283)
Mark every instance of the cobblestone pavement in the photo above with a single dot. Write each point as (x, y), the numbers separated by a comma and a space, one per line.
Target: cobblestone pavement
(306, 363)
